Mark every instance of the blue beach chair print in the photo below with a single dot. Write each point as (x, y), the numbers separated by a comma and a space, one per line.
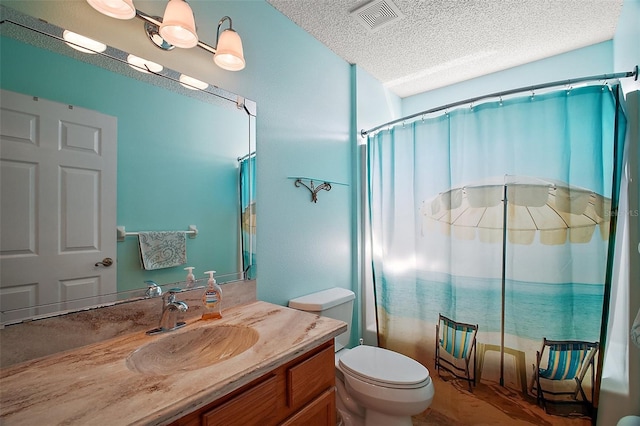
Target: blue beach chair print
(568, 360)
(458, 340)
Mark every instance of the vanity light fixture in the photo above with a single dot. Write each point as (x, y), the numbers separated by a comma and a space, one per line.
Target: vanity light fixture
(143, 65)
(82, 43)
(192, 83)
(177, 28)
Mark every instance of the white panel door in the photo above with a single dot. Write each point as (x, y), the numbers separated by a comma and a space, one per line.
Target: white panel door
(58, 206)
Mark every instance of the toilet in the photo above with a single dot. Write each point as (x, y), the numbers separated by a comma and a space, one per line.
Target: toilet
(374, 386)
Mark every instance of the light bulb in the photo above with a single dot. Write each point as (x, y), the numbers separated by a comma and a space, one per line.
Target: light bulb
(82, 43)
(120, 9)
(229, 53)
(192, 83)
(178, 25)
(143, 65)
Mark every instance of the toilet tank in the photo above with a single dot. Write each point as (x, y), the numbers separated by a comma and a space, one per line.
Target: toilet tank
(336, 303)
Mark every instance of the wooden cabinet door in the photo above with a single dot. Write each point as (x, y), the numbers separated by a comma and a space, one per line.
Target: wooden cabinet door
(320, 412)
(254, 407)
(310, 377)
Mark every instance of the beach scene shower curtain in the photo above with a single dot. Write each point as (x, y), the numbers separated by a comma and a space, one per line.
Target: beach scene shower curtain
(441, 243)
(248, 214)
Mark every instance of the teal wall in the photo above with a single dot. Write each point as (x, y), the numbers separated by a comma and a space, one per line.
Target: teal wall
(303, 92)
(177, 156)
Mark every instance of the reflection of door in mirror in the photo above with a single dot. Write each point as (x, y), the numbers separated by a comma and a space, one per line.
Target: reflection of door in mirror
(57, 211)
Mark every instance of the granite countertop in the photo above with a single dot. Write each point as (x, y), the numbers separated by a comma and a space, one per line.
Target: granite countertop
(93, 382)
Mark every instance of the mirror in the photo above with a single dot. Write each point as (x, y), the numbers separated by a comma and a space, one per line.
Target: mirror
(179, 155)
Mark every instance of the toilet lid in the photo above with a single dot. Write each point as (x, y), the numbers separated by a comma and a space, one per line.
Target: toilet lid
(384, 367)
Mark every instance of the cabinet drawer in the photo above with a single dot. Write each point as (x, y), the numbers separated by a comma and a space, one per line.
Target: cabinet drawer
(256, 406)
(311, 377)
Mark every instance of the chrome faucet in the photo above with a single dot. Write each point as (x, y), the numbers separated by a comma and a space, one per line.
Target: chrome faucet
(170, 309)
(153, 289)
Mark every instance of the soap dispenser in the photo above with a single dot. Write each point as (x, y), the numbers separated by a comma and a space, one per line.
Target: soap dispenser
(191, 279)
(212, 298)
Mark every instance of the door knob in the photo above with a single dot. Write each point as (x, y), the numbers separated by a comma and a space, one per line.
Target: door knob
(106, 262)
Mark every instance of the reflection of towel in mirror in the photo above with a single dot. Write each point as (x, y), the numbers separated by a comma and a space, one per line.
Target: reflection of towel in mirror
(162, 249)
(635, 330)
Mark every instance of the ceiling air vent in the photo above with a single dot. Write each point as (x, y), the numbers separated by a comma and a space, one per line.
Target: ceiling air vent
(377, 14)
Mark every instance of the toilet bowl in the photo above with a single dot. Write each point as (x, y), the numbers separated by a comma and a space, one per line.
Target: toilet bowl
(374, 386)
(386, 387)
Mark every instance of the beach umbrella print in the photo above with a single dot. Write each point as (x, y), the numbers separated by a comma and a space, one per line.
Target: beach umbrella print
(249, 218)
(516, 209)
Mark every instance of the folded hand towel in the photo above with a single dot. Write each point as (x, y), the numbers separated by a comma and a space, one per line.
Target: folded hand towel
(162, 249)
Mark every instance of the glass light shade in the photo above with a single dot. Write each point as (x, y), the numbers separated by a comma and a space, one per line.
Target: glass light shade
(120, 9)
(229, 54)
(178, 25)
(82, 43)
(192, 83)
(143, 65)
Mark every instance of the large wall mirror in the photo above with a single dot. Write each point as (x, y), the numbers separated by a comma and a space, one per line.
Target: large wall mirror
(177, 160)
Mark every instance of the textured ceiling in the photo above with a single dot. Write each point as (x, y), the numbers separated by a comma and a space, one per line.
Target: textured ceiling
(436, 43)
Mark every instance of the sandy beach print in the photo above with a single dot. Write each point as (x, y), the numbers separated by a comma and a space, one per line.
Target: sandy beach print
(488, 403)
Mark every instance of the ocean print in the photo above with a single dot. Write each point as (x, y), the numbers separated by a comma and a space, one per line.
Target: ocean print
(560, 311)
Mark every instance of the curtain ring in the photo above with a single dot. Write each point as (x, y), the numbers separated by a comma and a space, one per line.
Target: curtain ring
(500, 100)
(533, 94)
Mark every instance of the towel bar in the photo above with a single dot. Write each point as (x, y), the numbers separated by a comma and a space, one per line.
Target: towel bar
(122, 233)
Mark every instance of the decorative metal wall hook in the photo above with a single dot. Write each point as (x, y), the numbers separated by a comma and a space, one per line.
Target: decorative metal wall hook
(313, 189)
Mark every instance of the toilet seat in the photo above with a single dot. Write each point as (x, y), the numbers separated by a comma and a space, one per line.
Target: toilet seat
(382, 367)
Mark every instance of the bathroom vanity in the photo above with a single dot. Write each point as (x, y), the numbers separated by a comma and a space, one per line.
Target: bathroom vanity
(279, 372)
(301, 392)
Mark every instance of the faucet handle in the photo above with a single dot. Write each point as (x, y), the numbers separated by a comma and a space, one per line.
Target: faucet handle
(153, 289)
(171, 294)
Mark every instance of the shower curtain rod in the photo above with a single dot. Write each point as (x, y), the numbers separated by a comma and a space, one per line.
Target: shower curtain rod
(605, 77)
(244, 157)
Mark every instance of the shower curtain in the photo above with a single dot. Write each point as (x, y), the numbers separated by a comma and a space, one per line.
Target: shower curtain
(436, 188)
(248, 214)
